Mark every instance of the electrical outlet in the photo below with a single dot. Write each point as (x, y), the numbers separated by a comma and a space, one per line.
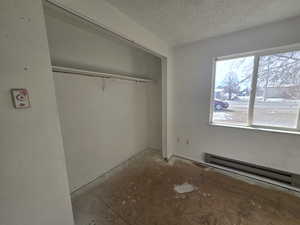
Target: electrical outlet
(178, 139)
(187, 141)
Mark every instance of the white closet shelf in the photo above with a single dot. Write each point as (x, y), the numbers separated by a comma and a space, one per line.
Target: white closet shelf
(98, 74)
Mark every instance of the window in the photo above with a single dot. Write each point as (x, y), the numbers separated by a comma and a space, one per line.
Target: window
(258, 90)
(231, 92)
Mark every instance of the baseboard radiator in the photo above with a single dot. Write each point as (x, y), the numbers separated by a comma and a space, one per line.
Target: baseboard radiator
(270, 173)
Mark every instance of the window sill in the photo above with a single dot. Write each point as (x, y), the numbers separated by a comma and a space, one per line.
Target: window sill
(255, 128)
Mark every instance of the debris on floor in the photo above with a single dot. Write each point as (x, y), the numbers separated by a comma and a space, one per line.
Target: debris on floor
(184, 188)
(207, 169)
(206, 195)
(148, 192)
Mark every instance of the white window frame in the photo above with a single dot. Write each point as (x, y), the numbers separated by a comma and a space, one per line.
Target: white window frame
(250, 125)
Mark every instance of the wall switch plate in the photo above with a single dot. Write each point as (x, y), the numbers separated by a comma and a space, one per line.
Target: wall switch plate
(20, 98)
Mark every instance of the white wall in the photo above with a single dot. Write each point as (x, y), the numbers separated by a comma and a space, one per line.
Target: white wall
(100, 128)
(154, 96)
(34, 186)
(168, 101)
(74, 42)
(191, 96)
(114, 20)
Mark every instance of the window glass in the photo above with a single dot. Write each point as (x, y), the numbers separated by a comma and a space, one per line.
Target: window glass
(232, 90)
(278, 90)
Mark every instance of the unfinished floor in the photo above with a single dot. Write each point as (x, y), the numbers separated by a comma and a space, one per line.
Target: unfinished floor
(147, 191)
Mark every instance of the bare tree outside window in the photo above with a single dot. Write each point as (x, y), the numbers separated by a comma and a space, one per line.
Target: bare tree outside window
(230, 84)
(278, 90)
(232, 90)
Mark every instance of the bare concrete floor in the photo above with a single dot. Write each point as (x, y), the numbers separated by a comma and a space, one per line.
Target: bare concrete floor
(142, 193)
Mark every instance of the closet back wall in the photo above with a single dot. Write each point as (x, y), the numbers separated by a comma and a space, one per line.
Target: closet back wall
(103, 121)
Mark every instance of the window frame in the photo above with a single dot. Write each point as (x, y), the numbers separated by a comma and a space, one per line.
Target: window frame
(249, 124)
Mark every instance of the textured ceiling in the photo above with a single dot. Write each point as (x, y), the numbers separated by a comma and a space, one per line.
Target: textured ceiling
(182, 21)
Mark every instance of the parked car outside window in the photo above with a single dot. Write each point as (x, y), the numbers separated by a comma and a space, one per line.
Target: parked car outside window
(220, 105)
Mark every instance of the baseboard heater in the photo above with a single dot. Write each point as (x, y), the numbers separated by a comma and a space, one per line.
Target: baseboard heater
(270, 173)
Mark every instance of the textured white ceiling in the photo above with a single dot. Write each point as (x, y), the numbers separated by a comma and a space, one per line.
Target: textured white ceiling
(182, 21)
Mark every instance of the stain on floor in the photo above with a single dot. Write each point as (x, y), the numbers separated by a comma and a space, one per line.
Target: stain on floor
(142, 193)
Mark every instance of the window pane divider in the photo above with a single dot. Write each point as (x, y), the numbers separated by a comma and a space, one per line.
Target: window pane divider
(298, 120)
(253, 90)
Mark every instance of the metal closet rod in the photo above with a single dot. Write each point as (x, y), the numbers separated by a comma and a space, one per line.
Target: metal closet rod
(97, 74)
